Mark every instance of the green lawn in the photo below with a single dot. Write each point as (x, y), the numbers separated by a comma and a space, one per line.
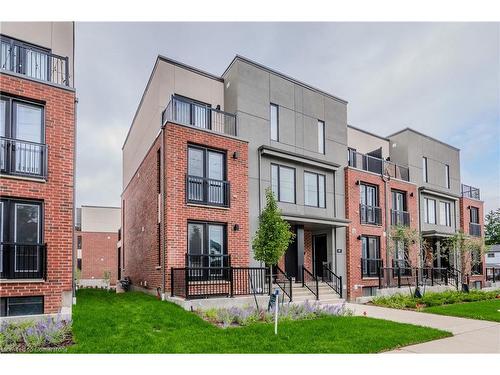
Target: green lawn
(105, 322)
(484, 310)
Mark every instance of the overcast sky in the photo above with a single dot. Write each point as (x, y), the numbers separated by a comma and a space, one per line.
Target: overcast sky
(440, 79)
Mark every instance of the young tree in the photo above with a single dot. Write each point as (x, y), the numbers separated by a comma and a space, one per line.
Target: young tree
(273, 236)
(492, 227)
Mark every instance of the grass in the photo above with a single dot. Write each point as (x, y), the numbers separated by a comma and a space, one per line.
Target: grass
(483, 310)
(105, 322)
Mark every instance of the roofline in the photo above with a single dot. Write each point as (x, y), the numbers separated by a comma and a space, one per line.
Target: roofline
(300, 83)
(367, 132)
(423, 135)
(93, 206)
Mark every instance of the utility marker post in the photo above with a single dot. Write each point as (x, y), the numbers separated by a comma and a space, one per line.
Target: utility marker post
(276, 293)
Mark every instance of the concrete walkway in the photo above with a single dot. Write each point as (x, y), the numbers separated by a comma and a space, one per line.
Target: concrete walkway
(469, 335)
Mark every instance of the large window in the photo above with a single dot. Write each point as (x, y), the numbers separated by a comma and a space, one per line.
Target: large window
(192, 112)
(447, 175)
(283, 183)
(370, 253)
(314, 189)
(369, 211)
(429, 211)
(22, 149)
(274, 119)
(206, 180)
(445, 213)
(17, 306)
(424, 169)
(474, 215)
(321, 136)
(207, 247)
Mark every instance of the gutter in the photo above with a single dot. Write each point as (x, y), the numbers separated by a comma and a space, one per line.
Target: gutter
(73, 244)
(162, 213)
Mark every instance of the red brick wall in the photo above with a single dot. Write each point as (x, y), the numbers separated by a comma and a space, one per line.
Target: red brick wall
(56, 193)
(464, 226)
(353, 245)
(99, 254)
(141, 210)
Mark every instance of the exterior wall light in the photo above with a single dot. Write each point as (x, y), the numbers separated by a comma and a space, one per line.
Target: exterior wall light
(236, 227)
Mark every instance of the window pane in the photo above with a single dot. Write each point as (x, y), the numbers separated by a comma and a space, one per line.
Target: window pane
(216, 239)
(431, 211)
(321, 137)
(321, 189)
(287, 185)
(24, 306)
(195, 239)
(215, 165)
(274, 122)
(311, 189)
(3, 117)
(364, 247)
(195, 167)
(27, 221)
(424, 168)
(201, 116)
(447, 175)
(36, 64)
(274, 180)
(28, 125)
(182, 111)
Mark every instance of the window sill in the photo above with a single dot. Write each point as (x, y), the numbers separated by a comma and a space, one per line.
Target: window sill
(25, 178)
(22, 281)
(207, 206)
(158, 268)
(372, 225)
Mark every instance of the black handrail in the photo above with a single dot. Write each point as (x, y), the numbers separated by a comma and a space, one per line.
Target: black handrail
(400, 217)
(284, 282)
(370, 214)
(310, 282)
(202, 190)
(23, 158)
(370, 267)
(23, 261)
(332, 280)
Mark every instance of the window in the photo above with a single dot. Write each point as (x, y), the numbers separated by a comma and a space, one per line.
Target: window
(321, 137)
(447, 175)
(79, 264)
(17, 306)
(314, 189)
(474, 215)
(207, 246)
(445, 213)
(283, 183)
(351, 157)
(429, 211)
(424, 169)
(370, 253)
(274, 118)
(78, 242)
(158, 171)
(491, 255)
(192, 112)
(206, 182)
(369, 211)
(22, 136)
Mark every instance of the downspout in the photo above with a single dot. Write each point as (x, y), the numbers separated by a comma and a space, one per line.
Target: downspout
(73, 244)
(387, 221)
(162, 210)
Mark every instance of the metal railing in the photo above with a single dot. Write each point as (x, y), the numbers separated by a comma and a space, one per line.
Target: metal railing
(33, 62)
(470, 192)
(207, 191)
(492, 274)
(210, 266)
(310, 282)
(23, 261)
(186, 283)
(370, 267)
(404, 266)
(377, 165)
(475, 229)
(433, 276)
(284, 282)
(477, 268)
(332, 280)
(370, 214)
(397, 277)
(400, 217)
(187, 112)
(23, 158)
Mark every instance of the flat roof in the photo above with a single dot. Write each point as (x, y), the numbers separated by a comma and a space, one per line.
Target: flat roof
(423, 135)
(92, 206)
(367, 132)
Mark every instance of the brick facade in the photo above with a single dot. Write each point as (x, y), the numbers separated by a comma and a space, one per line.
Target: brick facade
(99, 254)
(142, 256)
(355, 281)
(56, 192)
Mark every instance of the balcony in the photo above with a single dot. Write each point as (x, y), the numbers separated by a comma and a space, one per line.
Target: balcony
(33, 62)
(370, 214)
(470, 192)
(207, 191)
(400, 218)
(370, 267)
(187, 112)
(23, 158)
(475, 229)
(379, 166)
(23, 261)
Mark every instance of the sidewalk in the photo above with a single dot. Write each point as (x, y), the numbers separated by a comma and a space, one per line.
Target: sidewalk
(469, 335)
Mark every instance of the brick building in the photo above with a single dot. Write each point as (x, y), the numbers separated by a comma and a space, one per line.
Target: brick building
(96, 242)
(37, 142)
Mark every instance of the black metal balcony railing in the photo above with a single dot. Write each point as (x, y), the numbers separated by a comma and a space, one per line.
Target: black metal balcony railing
(377, 165)
(188, 112)
(370, 267)
(400, 218)
(402, 266)
(475, 229)
(207, 191)
(370, 214)
(23, 158)
(33, 62)
(23, 261)
(470, 192)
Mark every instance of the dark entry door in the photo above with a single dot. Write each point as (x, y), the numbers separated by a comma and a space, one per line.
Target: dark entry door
(291, 258)
(320, 254)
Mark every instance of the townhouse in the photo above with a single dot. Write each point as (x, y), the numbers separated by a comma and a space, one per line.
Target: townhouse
(37, 159)
(96, 234)
(201, 152)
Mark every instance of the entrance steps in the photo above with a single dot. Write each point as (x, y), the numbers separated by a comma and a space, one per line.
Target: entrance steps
(327, 295)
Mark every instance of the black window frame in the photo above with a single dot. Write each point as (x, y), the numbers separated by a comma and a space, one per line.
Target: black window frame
(278, 197)
(206, 150)
(79, 242)
(317, 190)
(447, 176)
(472, 218)
(425, 166)
(277, 122)
(4, 305)
(365, 271)
(323, 152)
(9, 217)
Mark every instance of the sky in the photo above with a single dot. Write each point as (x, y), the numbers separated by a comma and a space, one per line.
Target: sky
(442, 79)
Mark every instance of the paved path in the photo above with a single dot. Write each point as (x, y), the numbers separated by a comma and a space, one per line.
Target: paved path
(469, 335)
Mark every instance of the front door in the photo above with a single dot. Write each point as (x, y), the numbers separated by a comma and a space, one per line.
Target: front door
(291, 258)
(320, 254)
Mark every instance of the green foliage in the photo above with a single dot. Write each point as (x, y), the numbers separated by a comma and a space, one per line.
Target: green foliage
(273, 236)
(483, 310)
(492, 227)
(470, 249)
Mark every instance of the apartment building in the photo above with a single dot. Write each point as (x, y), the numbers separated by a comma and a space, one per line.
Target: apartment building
(96, 238)
(37, 143)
